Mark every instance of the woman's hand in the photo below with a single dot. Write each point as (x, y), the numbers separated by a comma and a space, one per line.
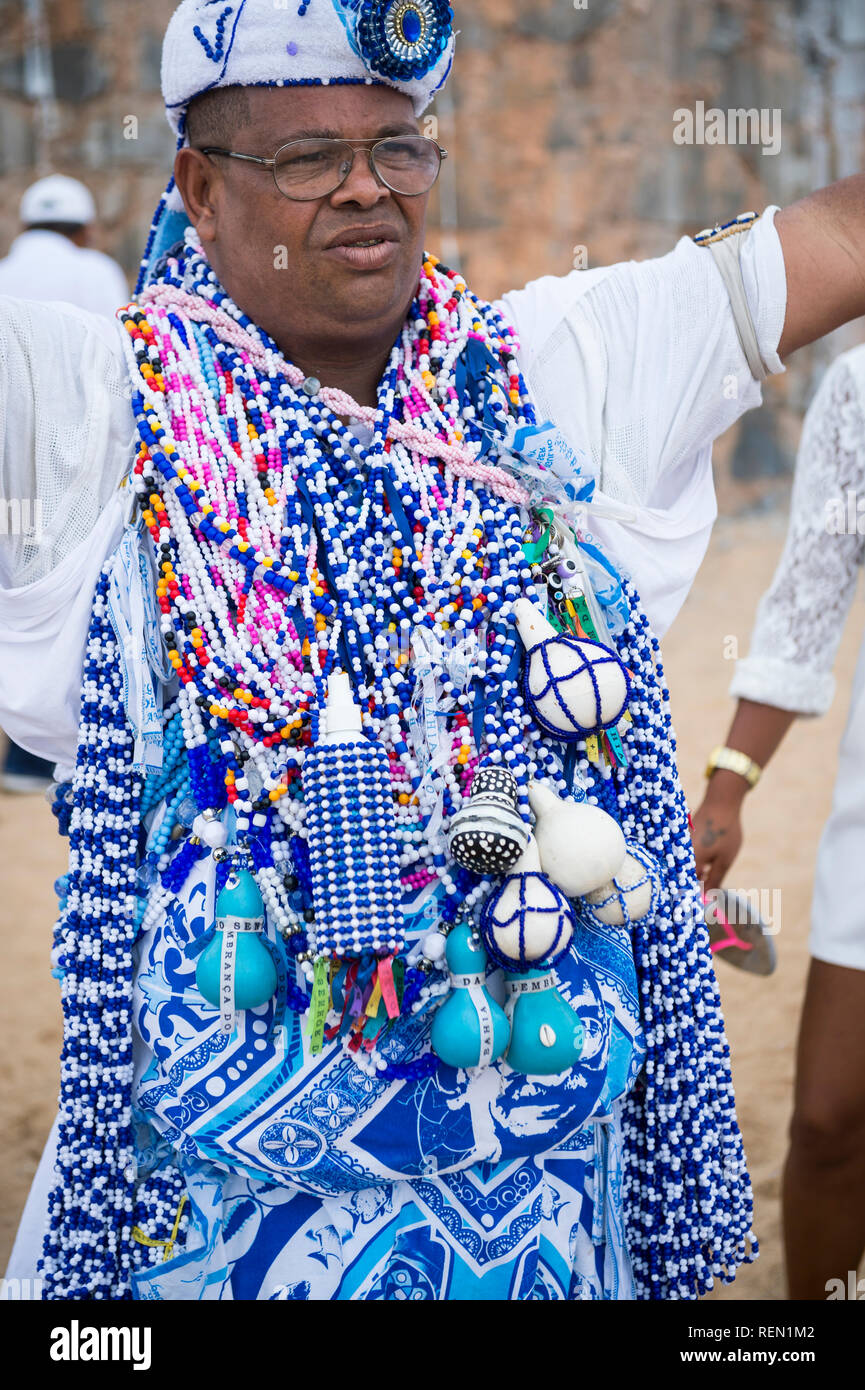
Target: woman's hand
(716, 827)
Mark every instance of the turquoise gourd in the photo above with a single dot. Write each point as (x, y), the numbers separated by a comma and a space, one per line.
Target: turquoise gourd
(470, 1029)
(250, 979)
(546, 1034)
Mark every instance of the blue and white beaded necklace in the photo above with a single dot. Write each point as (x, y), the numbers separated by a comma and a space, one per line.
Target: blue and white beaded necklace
(462, 544)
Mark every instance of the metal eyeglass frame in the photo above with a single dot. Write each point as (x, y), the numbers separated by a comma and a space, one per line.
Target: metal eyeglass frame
(353, 145)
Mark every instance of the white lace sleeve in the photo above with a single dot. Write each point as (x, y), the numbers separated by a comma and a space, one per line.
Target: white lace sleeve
(801, 615)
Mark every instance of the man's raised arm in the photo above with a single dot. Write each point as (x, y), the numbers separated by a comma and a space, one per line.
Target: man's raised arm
(823, 240)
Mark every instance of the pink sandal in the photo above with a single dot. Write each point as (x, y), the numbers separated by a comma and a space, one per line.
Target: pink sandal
(750, 947)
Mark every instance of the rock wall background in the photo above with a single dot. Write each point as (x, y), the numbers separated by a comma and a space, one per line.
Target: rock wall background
(559, 120)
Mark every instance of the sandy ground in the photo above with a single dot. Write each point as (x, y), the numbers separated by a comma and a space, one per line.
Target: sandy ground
(783, 823)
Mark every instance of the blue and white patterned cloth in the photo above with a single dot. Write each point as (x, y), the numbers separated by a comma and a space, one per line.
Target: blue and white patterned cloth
(308, 1178)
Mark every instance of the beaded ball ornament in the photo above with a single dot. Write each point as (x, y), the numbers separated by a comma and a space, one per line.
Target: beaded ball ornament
(527, 921)
(630, 894)
(557, 665)
(288, 543)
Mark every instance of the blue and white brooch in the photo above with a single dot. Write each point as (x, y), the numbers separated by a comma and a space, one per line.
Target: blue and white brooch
(402, 39)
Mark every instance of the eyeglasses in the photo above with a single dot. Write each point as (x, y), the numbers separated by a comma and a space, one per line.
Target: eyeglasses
(308, 169)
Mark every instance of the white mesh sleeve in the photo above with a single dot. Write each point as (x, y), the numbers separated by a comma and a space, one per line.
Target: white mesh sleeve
(66, 431)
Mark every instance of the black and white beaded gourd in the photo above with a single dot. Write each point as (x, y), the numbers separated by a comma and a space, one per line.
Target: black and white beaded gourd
(488, 835)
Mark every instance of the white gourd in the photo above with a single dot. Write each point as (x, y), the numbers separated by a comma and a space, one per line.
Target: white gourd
(581, 847)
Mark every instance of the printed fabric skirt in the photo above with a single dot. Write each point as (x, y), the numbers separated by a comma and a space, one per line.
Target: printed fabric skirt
(295, 1176)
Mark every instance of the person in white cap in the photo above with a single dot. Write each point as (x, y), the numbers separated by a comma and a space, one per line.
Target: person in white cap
(50, 260)
(337, 459)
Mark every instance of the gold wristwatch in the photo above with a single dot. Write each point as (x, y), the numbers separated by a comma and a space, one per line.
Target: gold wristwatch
(731, 760)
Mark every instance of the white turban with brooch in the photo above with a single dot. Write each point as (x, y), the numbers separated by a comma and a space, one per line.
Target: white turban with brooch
(405, 44)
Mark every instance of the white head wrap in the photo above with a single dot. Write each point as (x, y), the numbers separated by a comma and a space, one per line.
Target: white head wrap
(406, 44)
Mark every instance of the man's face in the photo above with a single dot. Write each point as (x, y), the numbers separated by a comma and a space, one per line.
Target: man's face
(286, 263)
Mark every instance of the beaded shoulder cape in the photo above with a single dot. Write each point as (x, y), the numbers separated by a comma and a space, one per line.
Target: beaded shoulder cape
(293, 532)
